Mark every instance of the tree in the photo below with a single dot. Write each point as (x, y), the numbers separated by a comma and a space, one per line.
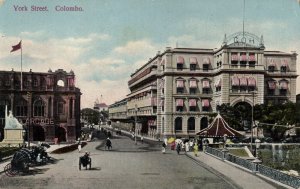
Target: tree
(90, 115)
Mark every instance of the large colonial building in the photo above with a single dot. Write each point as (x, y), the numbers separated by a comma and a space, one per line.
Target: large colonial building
(175, 91)
(48, 103)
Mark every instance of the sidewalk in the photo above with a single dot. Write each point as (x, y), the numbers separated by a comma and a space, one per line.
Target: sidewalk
(242, 177)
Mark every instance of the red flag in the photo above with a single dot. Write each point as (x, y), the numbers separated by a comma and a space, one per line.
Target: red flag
(17, 47)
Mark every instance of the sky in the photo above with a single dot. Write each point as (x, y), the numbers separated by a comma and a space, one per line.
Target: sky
(109, 39)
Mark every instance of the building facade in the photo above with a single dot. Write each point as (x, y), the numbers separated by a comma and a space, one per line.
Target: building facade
(48, 104)
(174, 93)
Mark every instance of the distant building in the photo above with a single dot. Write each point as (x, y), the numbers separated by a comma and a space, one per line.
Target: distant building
(49, 103)
(100, 107)
(176, 91)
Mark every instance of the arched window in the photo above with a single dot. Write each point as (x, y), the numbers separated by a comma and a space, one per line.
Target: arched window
(178, 124)
(191, 124)
(38, 108)
(203, 123)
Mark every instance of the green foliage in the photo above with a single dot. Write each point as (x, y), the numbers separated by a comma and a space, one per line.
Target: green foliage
(90, 115)
(280, 114)
(7, 151)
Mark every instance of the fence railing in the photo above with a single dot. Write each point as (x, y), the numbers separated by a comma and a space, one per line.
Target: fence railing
(279, 176)
(214, 152)
(256, 168)
(240, 161)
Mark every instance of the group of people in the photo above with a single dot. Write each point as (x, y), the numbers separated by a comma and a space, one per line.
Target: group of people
(184, 146)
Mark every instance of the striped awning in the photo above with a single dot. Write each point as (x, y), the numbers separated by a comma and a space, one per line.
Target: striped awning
(251, 82)
(235, 81)
(206, 60)
(243, 81)
(284, 63)
(192, 102)
(179, 102)
(180, 60)
(205, 103)
(234, 57)
(243, 57)
(283, 84)
(272, 84)
(193, 83)
(193, 60)
(252, 58)
(205, 84)
(271, 62)
(179, 83)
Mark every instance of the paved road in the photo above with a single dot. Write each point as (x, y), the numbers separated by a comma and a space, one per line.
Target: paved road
(126, 166)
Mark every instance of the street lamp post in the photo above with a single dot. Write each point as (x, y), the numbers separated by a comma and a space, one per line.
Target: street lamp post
(256, 161)
(135, 125)
(252, 120)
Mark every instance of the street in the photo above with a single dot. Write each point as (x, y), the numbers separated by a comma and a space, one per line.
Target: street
(126, 166)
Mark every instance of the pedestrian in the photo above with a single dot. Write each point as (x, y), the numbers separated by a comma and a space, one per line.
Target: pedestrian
(191, 145)
(142, 139)
(79, 146)
(196, 149)
(108, 144)
(187, 146)
(164, 147)
(178, 147)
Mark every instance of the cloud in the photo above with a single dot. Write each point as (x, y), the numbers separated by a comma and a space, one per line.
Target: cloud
(136, 48)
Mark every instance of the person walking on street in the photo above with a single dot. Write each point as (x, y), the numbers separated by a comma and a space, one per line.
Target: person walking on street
(196, 149)
(79, 146)
(142, 139)
(187, 146)
(164, 147)
(178, 147)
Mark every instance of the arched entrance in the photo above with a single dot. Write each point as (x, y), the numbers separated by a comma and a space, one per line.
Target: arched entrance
(38, 133)
(244, 113)
(178, 124)
(60, 134)
(203, 123)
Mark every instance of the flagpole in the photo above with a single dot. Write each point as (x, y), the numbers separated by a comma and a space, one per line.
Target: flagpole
(21, 68)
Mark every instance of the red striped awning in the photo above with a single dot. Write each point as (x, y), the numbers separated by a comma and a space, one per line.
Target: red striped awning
(180, 60)
(179, 102)
(243, 57)
(251, 82)
(272, 85)
(271, 62)
(179, 83)
(205, 103)
(193, 60)
(205, 84)
(234, 57)
(283, 84)
(193, 83)
(252, 57)
(206, 60)
(284, 63)
(192, 102)
(243, 81)
(235, 81)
